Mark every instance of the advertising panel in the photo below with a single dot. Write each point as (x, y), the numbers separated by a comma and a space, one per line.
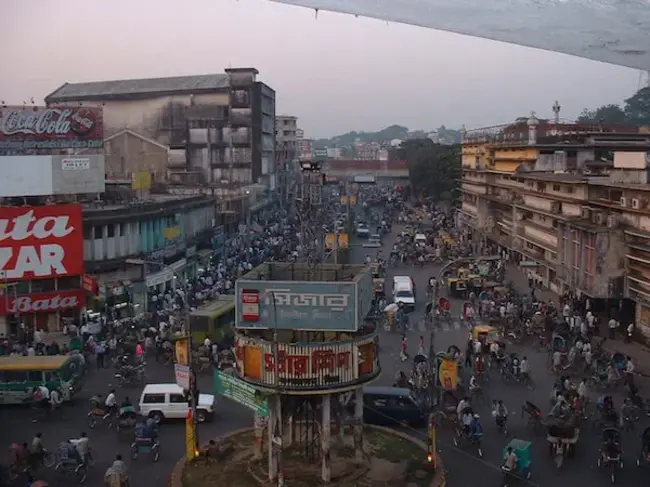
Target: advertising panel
(236, 389)
(78, 174)
(41, 242)
(90, 284)
(297, 305)
(40, 130)
(42, 302)
(141, 180)
(308, 366)
(26, 176)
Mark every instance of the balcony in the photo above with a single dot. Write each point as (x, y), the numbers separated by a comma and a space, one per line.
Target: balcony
(240, 99)
(241, 119)
(240, 141)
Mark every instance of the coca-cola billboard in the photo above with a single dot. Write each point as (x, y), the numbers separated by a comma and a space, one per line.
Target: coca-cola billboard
(39, 242)
(42, 302)
(34, 130)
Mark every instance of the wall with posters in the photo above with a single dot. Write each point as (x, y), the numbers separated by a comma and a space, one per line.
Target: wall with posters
(39, 175)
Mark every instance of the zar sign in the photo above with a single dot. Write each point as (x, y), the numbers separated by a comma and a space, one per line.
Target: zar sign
(40, 241)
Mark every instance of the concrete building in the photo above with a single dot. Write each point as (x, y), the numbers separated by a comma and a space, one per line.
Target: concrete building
(128, 153)
(570, 201)
(224, 124)
(304, 146)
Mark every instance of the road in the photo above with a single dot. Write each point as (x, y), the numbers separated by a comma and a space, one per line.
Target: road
(465, 468)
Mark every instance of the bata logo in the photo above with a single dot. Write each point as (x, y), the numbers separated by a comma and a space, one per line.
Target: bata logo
(20, 250)
(50, 121)
(26, 304)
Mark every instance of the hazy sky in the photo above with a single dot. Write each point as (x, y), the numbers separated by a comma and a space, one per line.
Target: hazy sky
(335, 72)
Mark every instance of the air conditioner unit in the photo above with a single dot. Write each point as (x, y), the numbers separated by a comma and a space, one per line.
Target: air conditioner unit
(636, 204)
(623, 201)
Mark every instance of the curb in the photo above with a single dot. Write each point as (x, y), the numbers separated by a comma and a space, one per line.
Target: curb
(439, 479)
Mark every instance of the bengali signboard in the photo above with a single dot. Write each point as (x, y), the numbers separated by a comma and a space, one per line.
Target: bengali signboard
(41, 130)
(289, 305)
(240, 391)
(307, 366)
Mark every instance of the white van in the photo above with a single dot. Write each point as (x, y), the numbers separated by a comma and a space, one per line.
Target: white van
(168, 401)
(404, 291)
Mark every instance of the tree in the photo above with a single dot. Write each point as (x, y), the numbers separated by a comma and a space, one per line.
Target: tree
(434, 169)
(607, 114)
(637, 107)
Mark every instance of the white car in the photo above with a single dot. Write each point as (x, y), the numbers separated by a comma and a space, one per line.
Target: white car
(374, 241)
(168, 401)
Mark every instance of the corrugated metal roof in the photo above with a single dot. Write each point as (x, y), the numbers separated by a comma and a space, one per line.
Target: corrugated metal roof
(108, 89)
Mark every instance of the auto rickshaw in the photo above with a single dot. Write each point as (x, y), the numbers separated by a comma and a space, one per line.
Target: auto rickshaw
(457, 287)
(377, 270)
(486, 335)
(474, 283)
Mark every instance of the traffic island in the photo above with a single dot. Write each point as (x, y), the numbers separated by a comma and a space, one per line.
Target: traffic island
(390, 458)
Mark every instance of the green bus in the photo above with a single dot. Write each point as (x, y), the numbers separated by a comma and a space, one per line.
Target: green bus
(215, 319)
(19, 376)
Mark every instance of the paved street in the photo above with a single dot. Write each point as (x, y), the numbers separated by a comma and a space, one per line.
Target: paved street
(465, 469)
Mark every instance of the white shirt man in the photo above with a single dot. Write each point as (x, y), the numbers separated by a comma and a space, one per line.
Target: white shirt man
(110, 400)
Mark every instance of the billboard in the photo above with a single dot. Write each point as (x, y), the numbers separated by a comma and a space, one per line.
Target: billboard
(288, 305)
(51, 175)
(42, 302)
(41, 130)
(41, 242)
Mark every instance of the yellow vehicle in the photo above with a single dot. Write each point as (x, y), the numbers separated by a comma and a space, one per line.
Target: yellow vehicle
(19, 376)
(457, 287)
(378, 288)
(215, 319)
(475, 283)
(377, 270)
(486, 335)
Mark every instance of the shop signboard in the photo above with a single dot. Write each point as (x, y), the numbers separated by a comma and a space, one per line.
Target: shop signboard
(307, 366)
(290, 305)
(78, 174)
(41, 241)
(42, 302)
(240, 391)
(89, 284)
(41, 130)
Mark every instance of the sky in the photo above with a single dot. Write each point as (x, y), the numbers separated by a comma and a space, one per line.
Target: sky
(335, 72)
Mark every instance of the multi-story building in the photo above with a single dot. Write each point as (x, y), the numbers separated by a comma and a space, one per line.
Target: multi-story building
(223, 124)
(286, 127)
(570, 202)
(303, 146)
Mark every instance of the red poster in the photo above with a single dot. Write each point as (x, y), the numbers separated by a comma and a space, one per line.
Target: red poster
(89, 284)
(42, 302)
(250, 303)
(41, 242)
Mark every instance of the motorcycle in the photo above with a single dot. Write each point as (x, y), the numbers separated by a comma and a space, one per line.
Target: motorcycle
(131, 376)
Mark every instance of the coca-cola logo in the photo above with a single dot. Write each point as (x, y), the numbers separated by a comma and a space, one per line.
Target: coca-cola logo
(49, 121)
(25, 304)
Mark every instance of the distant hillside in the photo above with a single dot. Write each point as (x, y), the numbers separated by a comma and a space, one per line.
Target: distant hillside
(386, 135)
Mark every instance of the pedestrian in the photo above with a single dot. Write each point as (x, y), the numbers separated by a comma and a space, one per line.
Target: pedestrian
(100, 352)
(403, 353)
(612, 325)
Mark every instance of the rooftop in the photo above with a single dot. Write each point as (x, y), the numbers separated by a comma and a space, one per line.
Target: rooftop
(106, 90)
(289, 271)
(222, 302)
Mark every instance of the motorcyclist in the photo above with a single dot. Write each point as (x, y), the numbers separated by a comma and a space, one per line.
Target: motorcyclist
(82, 445)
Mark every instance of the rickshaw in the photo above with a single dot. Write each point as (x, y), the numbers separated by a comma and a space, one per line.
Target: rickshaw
(377, 270)
(644, 456)
(612, 459)
(474, 283)
(559, 344)
(618, 361)
(522, 450)
(534, 415)
(390, 317)
(562, 439)
(126, 419)
(378, 288)
(457, 287)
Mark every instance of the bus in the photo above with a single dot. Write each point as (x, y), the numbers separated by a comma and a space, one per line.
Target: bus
(19, 376)
(216, 320)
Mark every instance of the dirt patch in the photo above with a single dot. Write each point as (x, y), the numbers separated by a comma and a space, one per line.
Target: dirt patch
(390, 461)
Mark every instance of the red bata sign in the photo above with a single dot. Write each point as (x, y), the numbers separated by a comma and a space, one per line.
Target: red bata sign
(41, 241)
(33, 128)
(42, 302)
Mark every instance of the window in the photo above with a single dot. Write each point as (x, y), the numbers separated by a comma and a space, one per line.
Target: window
(15, 376)
(110, 231)
(378, 402)
(177, 399)
(556, 187)
(153, 399)
(97, 232)
(569, 189)
(43, 285)
(88, 232)
(66, 283)
(35, 376)
(403, 402)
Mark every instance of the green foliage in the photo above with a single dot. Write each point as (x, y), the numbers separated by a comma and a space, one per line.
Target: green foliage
(434, 169)
(635, 111)
(386, 135)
